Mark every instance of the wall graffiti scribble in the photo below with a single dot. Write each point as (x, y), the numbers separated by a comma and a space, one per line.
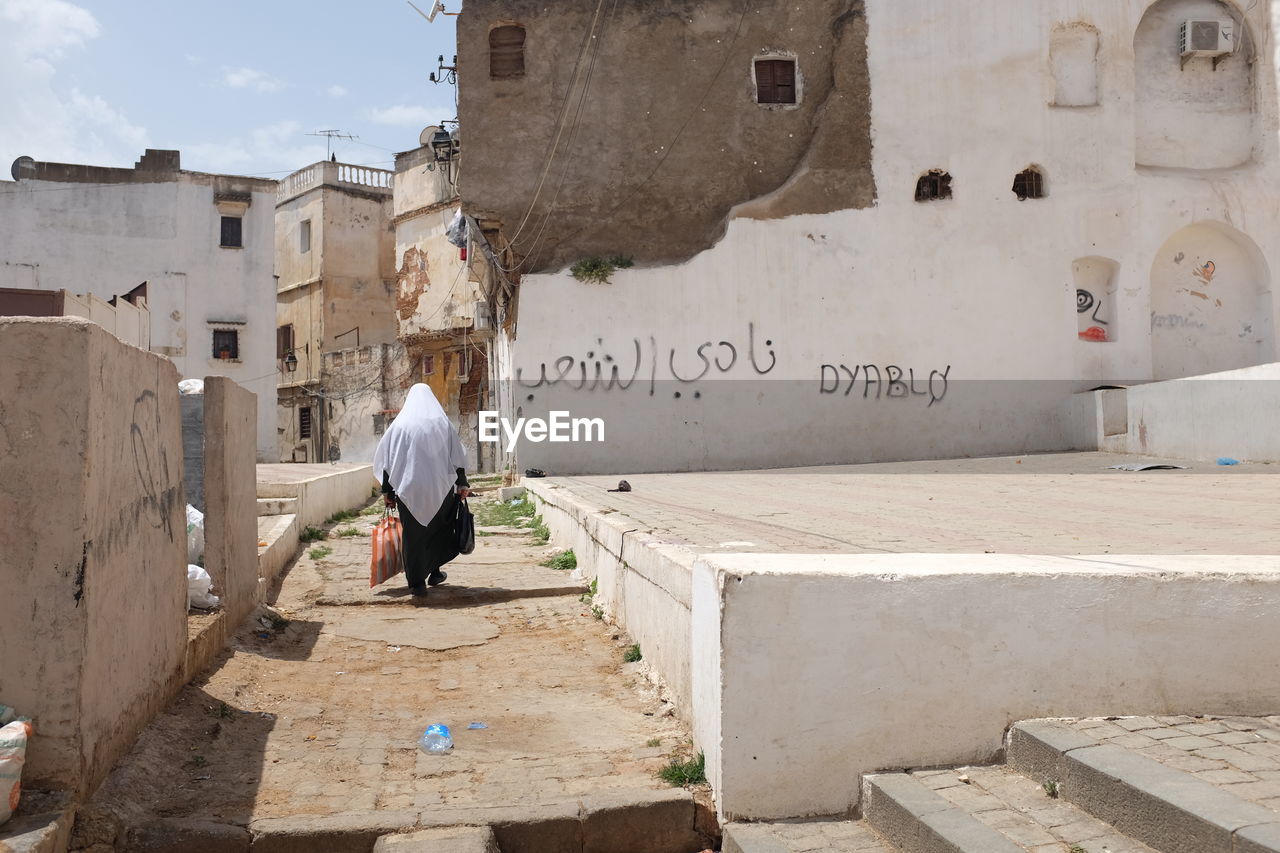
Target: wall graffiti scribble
(602, 370)
(888, 383)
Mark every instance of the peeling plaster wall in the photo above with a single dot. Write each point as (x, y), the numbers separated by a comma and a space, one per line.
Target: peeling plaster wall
(106, 238)
(980, 287)
(669, 115)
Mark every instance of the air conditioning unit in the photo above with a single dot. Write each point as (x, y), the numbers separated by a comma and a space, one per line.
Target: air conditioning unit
(1207, 38)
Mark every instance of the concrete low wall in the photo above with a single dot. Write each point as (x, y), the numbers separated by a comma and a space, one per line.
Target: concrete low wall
(92, 591)
(321, 490)
(1235, 414)
(231, 506)
(643, 584)
(811, 670)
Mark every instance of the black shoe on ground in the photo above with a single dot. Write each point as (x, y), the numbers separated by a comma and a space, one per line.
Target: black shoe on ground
(418, 591)
(437, 578)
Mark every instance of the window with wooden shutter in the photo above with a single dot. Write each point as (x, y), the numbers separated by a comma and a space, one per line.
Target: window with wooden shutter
(232, 234)
(284, 340)
(304, 422)
(506, 52)
(775, 81)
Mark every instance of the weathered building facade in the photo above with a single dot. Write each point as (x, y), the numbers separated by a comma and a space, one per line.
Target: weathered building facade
(445, 322)
(866, 230)
(340, 371)
(201, 243)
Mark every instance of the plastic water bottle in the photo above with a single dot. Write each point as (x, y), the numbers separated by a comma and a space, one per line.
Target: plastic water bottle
(436, 739)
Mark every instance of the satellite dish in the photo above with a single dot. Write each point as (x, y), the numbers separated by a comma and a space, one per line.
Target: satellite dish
(23, 167)
(428, 133)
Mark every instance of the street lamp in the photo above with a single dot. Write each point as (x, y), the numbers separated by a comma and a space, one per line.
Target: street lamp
(291, 362)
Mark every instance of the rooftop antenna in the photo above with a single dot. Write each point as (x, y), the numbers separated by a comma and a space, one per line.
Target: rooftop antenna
(436, 9)
(329, 136)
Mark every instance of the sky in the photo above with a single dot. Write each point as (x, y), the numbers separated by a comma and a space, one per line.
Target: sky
(235, 85)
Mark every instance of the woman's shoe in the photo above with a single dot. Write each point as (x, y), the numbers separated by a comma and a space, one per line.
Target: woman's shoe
(418, 591)
(437, 578)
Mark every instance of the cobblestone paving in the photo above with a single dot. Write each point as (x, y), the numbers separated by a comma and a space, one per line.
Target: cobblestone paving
(1238, 754)
(1023, 811)
(1043, 504)
(304, 720)
(815, 836)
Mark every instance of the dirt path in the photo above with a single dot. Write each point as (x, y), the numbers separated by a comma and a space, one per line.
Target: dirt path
(322, 715)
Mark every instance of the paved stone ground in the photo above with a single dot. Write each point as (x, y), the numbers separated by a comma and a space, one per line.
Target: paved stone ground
(1021, 810)
(308, 720)
(1240, 755)
(1042, 504)
(809, 837)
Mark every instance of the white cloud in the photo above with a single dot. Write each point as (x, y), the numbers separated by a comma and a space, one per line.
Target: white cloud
(337, 91)
(250, 78)
(403, 115)
(43, 120)
(272, 151)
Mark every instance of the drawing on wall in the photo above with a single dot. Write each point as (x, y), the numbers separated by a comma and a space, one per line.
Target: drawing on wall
(1095, 280)
(1205, 273)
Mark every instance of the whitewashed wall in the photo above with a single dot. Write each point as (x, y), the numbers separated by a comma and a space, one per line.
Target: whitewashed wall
(106, 239)
(979, 287)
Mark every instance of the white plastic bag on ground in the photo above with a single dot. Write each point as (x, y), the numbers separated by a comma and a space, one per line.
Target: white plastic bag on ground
(198, 585)
(13, 752)
(191, 386)
(195, 534)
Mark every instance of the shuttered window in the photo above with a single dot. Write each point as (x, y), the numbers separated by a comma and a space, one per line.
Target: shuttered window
(304, 422)
(284, 340)
(231, 232)
(775, 81)
(506, 52)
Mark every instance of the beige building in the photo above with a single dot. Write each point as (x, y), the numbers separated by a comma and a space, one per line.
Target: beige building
(443, 310)
(339, 368)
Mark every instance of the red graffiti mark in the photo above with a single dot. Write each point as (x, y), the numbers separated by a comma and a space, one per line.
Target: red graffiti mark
(1094, 333)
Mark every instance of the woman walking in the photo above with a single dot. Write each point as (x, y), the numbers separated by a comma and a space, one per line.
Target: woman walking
(422, 463)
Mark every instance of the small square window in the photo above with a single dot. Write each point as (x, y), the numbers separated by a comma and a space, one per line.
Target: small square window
(226, 344)
(304, 422)
(232, 235)
(428, 365)
(304, 237)
(775, 81)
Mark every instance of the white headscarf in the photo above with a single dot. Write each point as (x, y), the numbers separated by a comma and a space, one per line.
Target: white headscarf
(421, 453)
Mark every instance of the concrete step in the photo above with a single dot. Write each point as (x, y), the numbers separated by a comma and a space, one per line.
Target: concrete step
(277, 506)
(810, 836)
(1168, 808)
(456, 839)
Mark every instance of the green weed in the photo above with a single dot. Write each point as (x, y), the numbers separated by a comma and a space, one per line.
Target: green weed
(632, 654)
(1050, 789)
(311, 534)
(503, 513)
(563, 562)
(586, 597)
(541, 533)
(349, 531)
(690, 771)
(599, 270)
(319, 552)
(653, 741)
(345, 515)
(598, 612)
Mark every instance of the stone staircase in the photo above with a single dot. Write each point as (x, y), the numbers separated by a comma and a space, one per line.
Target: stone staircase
(1116, 785)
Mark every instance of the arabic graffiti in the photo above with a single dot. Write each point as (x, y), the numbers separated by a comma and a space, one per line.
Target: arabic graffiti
(602, 370)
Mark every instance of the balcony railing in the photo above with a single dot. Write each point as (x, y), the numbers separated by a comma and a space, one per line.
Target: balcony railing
(327, 172)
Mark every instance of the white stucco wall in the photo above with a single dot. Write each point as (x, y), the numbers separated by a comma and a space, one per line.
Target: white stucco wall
(981, 284)
(107, 238)
(876, 662)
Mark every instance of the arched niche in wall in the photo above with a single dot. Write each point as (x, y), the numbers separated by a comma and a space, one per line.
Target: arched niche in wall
(1211, 306)
(1096, 314)
(1197, 113)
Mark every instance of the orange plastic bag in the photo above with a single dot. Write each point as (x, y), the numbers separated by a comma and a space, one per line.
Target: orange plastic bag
(387, 559)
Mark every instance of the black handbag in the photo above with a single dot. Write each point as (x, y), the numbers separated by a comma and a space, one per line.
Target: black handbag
(464, 528)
